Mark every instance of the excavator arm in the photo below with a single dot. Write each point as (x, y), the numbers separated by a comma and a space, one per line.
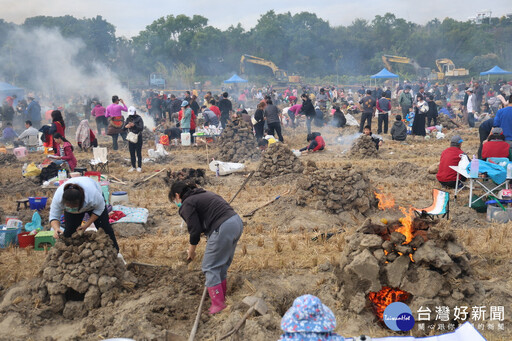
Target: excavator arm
(279, 74)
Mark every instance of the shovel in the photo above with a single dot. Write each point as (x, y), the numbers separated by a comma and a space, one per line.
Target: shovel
(250, 214)
(255, 304)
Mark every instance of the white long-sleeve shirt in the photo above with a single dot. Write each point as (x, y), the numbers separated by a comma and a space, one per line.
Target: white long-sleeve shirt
(471, 105)
(31, 131)
(93, 201)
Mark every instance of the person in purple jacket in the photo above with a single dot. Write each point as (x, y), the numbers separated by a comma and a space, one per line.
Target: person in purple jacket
(116, 120)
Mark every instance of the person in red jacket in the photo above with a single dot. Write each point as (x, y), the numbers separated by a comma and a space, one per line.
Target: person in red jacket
(64, 153)
(450, 157)
(496, 145)
(316, 143)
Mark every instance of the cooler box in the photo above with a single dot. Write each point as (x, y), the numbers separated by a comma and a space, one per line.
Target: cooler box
(37, 203)
(496, 214)
(43, 238)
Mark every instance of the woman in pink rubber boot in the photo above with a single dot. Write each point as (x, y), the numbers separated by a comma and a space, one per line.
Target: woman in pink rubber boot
(208, 213)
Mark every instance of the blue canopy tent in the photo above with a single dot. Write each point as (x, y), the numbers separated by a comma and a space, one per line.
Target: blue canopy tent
(496, 70)
(9, 90)
(236, 79)
(384, 73)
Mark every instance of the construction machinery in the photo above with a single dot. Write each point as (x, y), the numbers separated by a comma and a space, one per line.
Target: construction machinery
(447, 69)
(280, 75)
(420, 71)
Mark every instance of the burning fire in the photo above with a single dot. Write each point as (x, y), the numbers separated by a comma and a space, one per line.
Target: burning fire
(385, 202)
(407, 229)
(384, 297)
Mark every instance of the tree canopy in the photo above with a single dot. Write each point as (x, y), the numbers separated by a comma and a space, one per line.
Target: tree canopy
(300, 43)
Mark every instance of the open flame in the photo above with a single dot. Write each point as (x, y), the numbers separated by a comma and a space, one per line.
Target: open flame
(384, 297)
(386, 202)
(407, 229)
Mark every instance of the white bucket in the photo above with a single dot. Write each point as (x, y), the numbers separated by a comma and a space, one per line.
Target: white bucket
(119, 198)
(185, 139)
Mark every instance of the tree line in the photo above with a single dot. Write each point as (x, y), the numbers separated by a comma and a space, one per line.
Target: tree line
(302, 44)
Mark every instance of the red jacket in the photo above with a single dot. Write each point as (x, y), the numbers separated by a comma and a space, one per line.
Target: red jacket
(192, 119)
(320, 143)
(495, 149)
(67, 154)
(216, 110)
(449, 157)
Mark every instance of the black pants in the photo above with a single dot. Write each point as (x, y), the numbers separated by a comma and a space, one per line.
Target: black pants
(430, 119)
(101, 122)
(451, 184)
(291, 115)
(224, 120)
(471, 119)
(115, 146)
(136, 148)
(365, 117)
(383, 118)
(405, 111)
(275, 127)
(73, 221)
(311, 146)
(258, 128)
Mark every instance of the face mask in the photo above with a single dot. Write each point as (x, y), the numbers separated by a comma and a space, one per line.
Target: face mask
(178, 204)
(71, 209)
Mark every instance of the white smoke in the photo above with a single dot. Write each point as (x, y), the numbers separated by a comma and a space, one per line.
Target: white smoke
(51, 60)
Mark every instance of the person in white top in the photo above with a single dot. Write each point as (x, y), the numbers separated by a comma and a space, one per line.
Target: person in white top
(29, 131)
(471, 106)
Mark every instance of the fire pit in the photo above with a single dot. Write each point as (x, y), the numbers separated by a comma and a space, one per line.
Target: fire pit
(410, 260)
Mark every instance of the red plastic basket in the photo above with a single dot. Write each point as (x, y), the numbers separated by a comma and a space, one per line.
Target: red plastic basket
(25, 239)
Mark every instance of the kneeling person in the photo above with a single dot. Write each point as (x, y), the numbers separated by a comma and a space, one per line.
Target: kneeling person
(316, 143)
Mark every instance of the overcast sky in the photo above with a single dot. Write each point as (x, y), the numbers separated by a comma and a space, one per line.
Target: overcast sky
(132, 16)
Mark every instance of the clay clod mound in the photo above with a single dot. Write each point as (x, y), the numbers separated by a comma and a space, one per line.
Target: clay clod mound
(446, 122)
(237, 143)
(190, 175)
(8, 159)
(364, 148)
(433, 269)
(336, 190)
(277, 160)
(82, 273)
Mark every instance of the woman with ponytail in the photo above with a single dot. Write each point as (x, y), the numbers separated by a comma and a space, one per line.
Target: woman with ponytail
(209, 214)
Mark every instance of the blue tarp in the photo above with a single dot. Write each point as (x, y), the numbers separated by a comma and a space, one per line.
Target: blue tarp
(495, 71)
(236, 79)
(9, 90)
(384, 73)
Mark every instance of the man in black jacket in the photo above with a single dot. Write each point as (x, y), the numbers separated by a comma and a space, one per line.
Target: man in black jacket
(225, 107)
(368, 109)
(309, 110)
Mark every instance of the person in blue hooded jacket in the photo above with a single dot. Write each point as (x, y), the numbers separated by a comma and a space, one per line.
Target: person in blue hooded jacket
(33, 112)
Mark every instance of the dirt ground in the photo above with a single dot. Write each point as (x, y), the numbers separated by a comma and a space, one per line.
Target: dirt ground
(276, 257)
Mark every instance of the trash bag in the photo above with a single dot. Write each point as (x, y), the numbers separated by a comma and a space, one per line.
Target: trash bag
(225, 168)
(34, 224)
(479, 205)
(32, 170)
(49, 172)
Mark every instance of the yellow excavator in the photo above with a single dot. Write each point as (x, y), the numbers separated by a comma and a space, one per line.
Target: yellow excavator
(280, 75)
(388, 59)
(447, 69)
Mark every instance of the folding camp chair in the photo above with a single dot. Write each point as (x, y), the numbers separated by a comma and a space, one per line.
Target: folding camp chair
(100, 161)
(440, 206)
(32, 143)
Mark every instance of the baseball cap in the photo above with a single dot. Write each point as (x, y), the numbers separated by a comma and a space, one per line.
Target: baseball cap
(470, 89)
(184, 103)
(456, 139)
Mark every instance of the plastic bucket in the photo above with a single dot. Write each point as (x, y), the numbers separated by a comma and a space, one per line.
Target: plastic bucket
(185, 139)
(119, 197)
(20, 152)
(25, 239)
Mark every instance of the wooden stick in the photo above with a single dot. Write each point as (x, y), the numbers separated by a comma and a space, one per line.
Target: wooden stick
(150, 177)
(242, 187)
(198, 316)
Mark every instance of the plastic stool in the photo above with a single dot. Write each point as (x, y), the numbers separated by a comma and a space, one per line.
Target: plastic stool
(22, 201)
(81, 170)
(43, 237)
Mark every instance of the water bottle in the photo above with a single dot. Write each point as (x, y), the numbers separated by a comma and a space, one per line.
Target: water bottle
(24, 169)
(509, 170)
(473, 168)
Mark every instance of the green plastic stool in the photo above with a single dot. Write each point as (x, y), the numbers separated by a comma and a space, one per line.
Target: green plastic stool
(43, 237)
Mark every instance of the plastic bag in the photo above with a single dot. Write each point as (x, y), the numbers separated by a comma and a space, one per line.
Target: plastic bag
(35, 223)
(225, 168)
(32, 170)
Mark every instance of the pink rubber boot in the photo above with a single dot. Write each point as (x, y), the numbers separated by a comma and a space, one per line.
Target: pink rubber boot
(224, 288)
(217, 297)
